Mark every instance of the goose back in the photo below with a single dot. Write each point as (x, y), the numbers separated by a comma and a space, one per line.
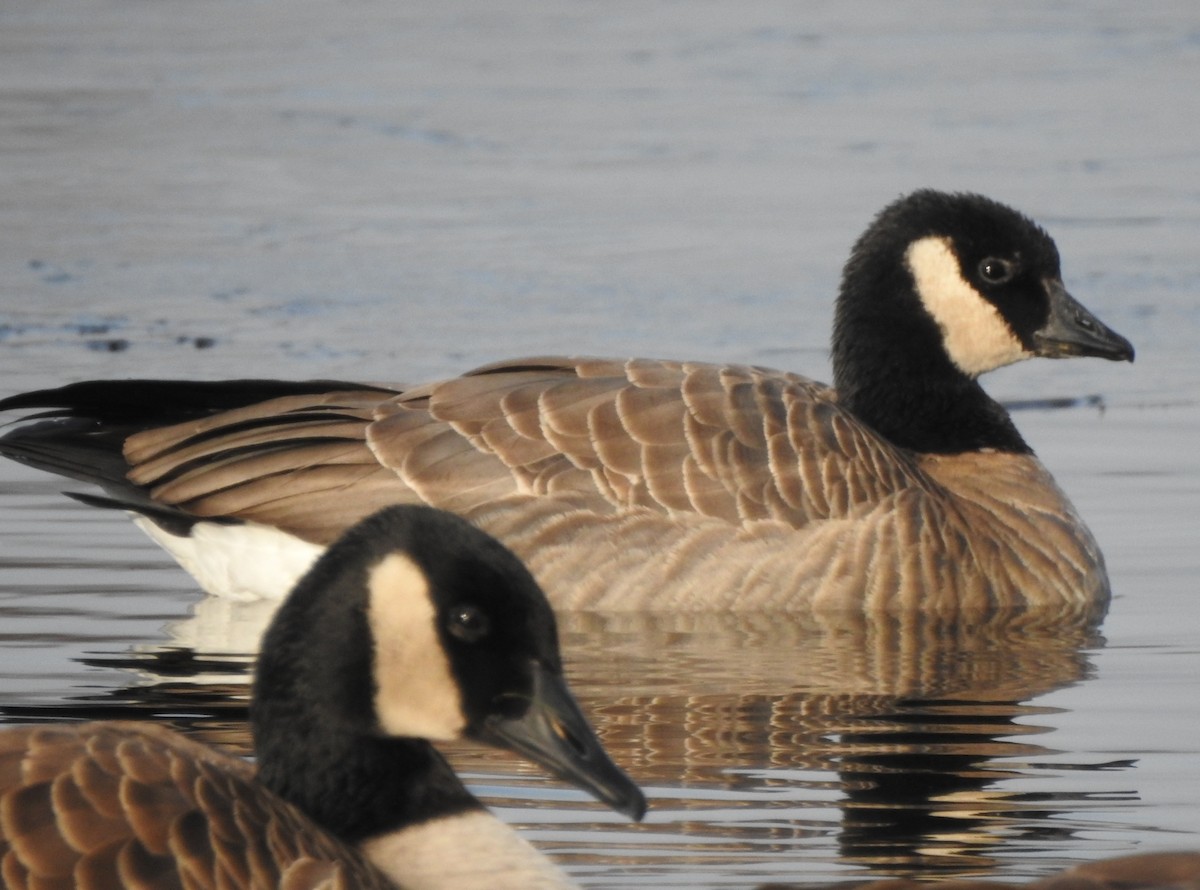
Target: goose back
(135, 805)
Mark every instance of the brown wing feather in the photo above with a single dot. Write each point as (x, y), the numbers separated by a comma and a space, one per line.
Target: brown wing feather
(668, 436)
(299, 462)
(730, 442)
(144, 446)
(135, 805)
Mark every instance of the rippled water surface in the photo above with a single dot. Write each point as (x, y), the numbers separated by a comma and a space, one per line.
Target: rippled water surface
(402, 191)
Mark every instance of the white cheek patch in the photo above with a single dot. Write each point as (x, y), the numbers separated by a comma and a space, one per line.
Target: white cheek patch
(417, 695)
(975, 335)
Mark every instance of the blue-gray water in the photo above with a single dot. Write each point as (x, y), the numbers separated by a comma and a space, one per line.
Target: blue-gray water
(401, 191)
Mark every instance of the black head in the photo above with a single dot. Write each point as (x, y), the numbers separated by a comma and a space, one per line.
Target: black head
(417, 625)
(940, 289)
(969, 277)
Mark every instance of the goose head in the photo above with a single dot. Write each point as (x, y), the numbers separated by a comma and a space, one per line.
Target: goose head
(415, 626)
(938, 290)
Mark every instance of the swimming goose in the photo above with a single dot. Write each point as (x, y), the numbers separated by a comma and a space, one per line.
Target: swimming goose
(646, 484)
(413, 626)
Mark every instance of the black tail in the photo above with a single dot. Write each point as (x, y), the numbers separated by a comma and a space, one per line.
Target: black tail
(80, 430)
(144, 404)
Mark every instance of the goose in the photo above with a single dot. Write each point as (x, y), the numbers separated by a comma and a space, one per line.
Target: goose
(414, 626)
(655, 484)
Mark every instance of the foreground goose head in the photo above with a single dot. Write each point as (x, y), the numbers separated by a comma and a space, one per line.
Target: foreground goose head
(940, 289)
(413, 626)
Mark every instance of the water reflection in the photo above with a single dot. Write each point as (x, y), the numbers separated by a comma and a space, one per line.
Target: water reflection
(904, 745)
(917, 724)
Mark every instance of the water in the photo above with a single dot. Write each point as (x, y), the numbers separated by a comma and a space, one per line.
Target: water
(402, 191)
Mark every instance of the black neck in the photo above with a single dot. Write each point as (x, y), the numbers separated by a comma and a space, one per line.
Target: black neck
(359, 787)
(937, 419)
(892, 371)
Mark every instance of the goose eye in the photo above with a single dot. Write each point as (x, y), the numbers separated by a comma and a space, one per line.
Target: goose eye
(994, 270)
(467, 623)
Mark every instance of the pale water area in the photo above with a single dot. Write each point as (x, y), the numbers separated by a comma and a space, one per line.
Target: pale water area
(398, 191)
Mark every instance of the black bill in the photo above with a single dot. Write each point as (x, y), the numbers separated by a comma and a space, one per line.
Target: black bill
(554, 733)
(1072, 330)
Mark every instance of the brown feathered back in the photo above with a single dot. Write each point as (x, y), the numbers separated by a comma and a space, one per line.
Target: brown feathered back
(103, 805)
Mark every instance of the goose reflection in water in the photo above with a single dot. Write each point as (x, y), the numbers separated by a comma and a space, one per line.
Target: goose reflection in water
(766, 741)
(906, 728)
